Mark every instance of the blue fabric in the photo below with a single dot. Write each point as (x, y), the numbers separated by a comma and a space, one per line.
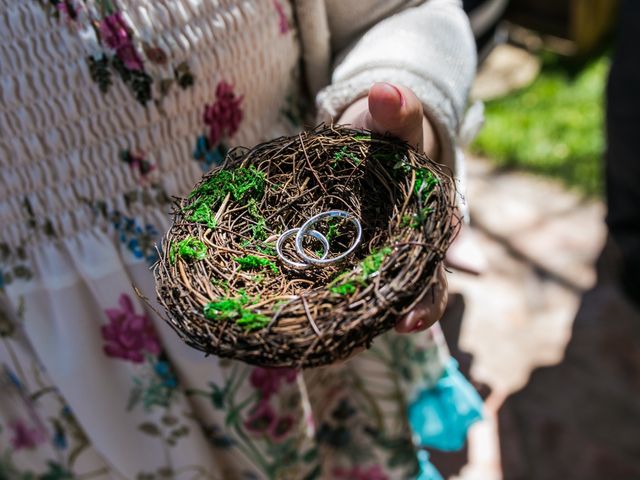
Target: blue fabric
(427, 470)
(441, 415)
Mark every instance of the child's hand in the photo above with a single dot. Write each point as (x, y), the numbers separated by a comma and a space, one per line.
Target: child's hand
(396, 110)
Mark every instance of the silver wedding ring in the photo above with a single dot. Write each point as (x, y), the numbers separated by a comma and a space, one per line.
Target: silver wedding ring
(315, 219)
(301, 232)
(291, 232)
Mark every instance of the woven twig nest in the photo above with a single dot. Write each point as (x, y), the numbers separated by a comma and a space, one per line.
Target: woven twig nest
(228, 293)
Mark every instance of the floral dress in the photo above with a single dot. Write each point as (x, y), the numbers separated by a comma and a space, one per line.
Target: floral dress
(107, 110)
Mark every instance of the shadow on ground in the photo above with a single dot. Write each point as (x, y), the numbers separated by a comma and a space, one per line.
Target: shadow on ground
(580, 419)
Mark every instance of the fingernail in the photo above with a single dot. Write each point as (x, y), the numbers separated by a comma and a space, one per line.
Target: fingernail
(392, 88)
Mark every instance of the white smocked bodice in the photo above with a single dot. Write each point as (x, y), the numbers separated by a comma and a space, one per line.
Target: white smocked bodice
(64, 142)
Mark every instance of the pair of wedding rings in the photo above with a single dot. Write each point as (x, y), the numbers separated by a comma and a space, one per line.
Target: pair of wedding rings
(306, 230)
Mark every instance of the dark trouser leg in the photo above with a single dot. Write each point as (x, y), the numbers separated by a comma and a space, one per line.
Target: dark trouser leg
(623, 138)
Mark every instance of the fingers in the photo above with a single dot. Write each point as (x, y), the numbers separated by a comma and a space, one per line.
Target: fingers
(429, 310)
(396, 110)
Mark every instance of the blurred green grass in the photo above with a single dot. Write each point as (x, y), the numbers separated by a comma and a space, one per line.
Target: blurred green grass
(552, 127)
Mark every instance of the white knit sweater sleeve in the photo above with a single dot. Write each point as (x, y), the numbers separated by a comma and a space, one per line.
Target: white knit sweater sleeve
(429, 48)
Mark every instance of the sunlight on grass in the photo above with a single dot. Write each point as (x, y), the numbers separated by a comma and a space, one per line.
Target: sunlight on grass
(553, 127)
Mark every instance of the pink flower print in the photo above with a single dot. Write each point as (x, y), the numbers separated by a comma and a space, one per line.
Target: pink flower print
(130, 57)
(224, 116)
(282, 17)
(216, 129)
(261, 419)
(268, 380)
(129, 335)
(137, 161)
(68, 9)
(25, 437)
(360, 473)
(281, 427)
(114, 33)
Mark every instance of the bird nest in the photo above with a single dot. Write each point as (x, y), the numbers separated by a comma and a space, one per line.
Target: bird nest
(228, 292)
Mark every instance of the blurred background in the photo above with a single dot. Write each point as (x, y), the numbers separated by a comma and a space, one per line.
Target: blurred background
(545, 333)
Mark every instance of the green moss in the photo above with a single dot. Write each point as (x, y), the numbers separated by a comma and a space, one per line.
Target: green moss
(240, 183)
(366, 137)
(423, 186)
(402, 167)
(224, 308)
(340, 276)
(251, 262)
(332, 231)
(348, 288)
(190, 249)
(260, 246)
(426, 178)
(344, 153)
(390, 157)
(252, 208)
(373, 262)
(224, 284)
(252, 321)
(259, 230)
(234, 309)
(370, 265)
(416, 220)
(266, 249)
(203, 214)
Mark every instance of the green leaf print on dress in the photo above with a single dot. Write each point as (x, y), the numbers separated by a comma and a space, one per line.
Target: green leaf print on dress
(261, 421)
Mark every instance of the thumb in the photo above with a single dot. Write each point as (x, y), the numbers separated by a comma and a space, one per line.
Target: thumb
(396, 110)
